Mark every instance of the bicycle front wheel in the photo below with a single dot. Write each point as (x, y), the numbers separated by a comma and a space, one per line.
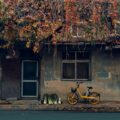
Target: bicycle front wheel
(72, 98)
(96, 98)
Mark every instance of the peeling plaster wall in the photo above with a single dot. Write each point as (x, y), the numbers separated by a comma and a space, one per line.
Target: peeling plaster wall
(108, 62)
(101, 62)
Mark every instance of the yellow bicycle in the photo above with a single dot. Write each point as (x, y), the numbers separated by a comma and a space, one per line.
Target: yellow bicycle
(75, 95)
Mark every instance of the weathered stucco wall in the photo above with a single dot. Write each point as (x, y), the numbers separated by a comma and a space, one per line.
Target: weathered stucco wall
(109, 63)
(105, 69)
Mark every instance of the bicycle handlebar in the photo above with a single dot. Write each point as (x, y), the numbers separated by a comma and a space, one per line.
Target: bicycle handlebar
(78, 83)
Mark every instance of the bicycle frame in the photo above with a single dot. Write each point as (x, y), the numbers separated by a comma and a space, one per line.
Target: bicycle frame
(83, 96)
(75, 95)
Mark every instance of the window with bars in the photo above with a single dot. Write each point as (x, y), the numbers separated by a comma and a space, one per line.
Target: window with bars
(76, 66)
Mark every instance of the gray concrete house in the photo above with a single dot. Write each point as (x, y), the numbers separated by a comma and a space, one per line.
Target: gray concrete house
(93, 58)
(57, 68)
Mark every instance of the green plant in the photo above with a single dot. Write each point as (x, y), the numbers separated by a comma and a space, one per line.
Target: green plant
(54, 97)
(45, 97)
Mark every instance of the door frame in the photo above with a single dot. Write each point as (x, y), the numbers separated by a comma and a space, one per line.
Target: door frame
(36, 81)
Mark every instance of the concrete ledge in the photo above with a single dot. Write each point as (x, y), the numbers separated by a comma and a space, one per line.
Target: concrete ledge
(81, 107)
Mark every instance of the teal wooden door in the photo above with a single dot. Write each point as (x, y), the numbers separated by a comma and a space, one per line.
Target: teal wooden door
(29, 87)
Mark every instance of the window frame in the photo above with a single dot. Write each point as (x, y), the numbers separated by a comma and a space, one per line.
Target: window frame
(75, 61)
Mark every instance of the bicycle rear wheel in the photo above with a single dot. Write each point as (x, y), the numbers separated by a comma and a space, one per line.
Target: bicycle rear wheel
(72, 98)
(96, 99)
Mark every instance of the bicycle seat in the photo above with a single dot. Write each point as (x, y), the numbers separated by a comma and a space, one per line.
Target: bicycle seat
(89, 87)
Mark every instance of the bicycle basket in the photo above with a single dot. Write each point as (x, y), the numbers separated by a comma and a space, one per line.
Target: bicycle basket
(73, 90)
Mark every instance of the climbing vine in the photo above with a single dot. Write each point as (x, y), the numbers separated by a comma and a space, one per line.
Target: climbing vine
(34, 21)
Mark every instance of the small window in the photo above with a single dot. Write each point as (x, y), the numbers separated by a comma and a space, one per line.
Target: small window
(76, 65)
(69, 70)
(30, 71)
(29, 88)
(83, 70)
